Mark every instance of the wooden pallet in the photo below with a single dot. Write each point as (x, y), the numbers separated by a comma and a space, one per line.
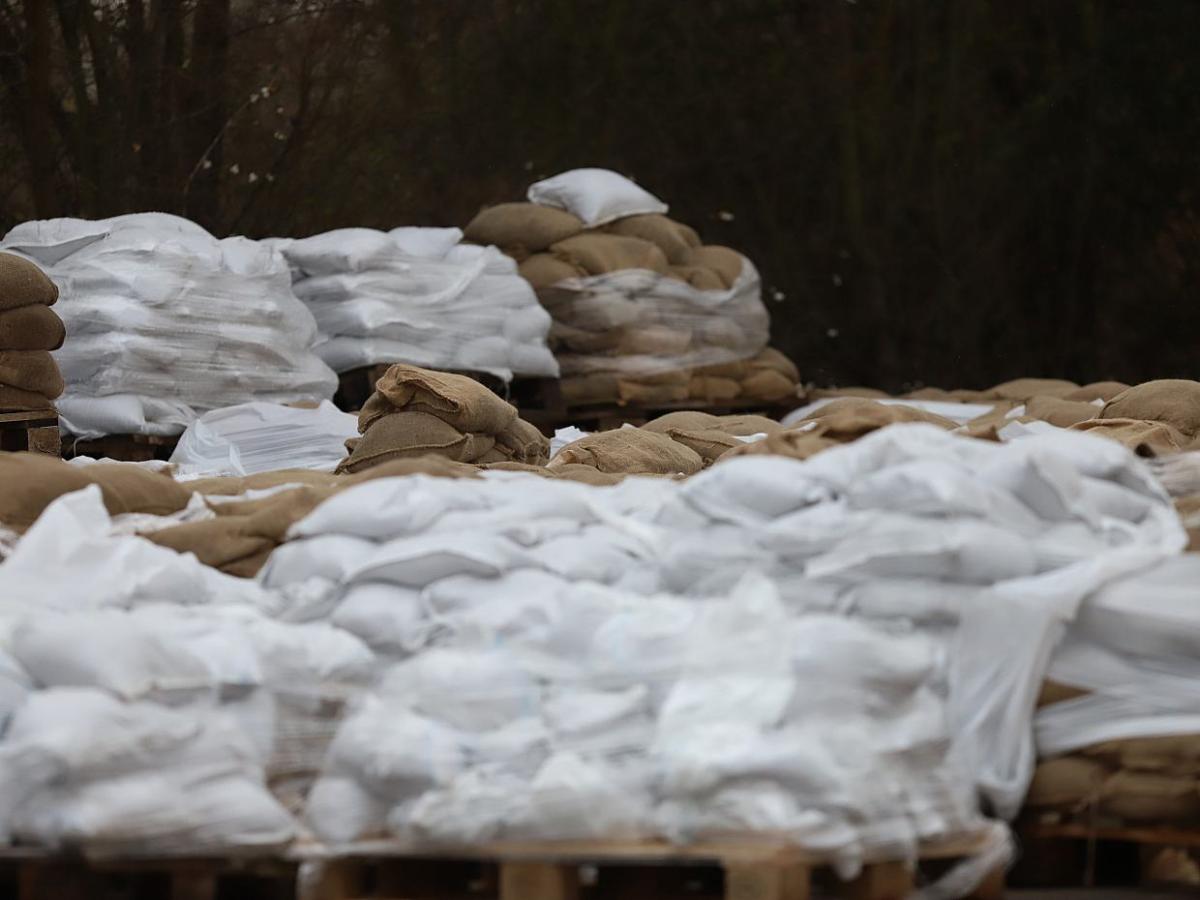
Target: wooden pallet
(1098, 853)
(35, 431)
(535, 871)
(124, 447)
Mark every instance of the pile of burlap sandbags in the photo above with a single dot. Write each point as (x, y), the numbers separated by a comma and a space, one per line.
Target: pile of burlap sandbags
(643, 312)
(417, 412)
(29, 330)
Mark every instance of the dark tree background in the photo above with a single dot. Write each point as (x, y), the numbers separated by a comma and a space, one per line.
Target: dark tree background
(949, 193)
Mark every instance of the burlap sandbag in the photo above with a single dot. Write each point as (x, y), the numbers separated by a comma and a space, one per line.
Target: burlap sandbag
(1147, 797)
(711, 389)
(31, 370)
(33, 327)
(598, 311)
(1097, 390)
(221, 543)
(1021, 389)
(955, 396)
(457, 400)
(16, 400)
(530, 226)
(1172, 754)
(1067, 783)
(791, 443)
(569, 472)
(579, 340)
(632, 451)
(649, 394)
(430, 464)
(695, 420)
(128, 488)
(229, 485)
(664, 233)
(770, 359)
(409, 434)
(599, 254)
(710, 444)
(580, 390)
(849, 418)
(654, 340)
(1063, 413)
(768, 385)
(542, 270)
(1144, 438)
(1174, 402)
(725, 262)
(522, 442)
(22, 283)
(701, 278)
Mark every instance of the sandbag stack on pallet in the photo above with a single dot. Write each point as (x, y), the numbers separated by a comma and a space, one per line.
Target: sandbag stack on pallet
(643, 313)
(29, 330)
(416, 295)
(167, 322)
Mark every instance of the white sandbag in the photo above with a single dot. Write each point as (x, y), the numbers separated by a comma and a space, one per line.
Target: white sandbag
(387, 617)
(597, 196)
(330, 556)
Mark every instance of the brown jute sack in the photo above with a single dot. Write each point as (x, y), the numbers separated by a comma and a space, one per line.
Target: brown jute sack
(864, 393)
(1174, 402)
(695, 420)
(522, 442)
(701, 278)
(770, 359)
(1145, 797)
(430, 464)
(1173, 754)
(1021, 389)
(526, 225)
(631, 391)
(792, 444)
(709, 444)
(228, 485)
(1097, 390)
(712, 389)
(31, 370)
(599, 254)
(768, 385)
(22, 283)
(721, 332)
(457, 400)
(593, 311)
(849, 418)
(579, 390)
(33, 327)
(543, 270)
(1066, 783)
(664, 233)
(734, 371)
(725, 262)
(1144, 438)
(17, 400)
(1063, 413)
(654, 340)
(579, 340)
(134, 489)
(632, 451)
(410, 434)
(222, 543)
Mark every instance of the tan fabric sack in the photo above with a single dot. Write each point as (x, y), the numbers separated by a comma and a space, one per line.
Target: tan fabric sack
(1143, 797)
(654, 340)
(712, 389)
(1174, 402)
(221, 543)
(664, 233)
(722, 333)
(1067, 783)
(695, 420)
(632, 451)
(701, 278)
(409, 434)
(849, 418)
(29, 482)
(580, 390)
(1144, 438)
(1021, 389)
(579, 340)
(128, 488)
(522, 442)
(1175, 754)
(16, 400)
(725, 262)
(31, 370)
(649, 394)
(1063, 413)
(529, 226)
(600, 254)
(33, 327)
(430, 464)
(22, 283)
(1097, 390)
(771, 359)
(768, 385)
(455, 399)
(792, 444)
(543, 270)
(864, 393)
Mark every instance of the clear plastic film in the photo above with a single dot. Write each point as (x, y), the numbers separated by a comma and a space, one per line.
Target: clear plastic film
(404, 296)
(164, 322)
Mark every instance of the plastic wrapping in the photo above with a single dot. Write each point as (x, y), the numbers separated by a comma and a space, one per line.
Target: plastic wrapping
(164, 322)
(415, 296)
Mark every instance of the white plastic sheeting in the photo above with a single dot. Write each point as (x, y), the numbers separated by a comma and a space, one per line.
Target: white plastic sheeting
(418, 296)
(164, 321)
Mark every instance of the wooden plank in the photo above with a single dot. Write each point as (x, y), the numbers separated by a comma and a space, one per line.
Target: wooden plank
(45, 439)
(538, 881)
(880, 881)
(334, 879)
(1178, 837)
(991, 888)
(28, 418)
(767, 882)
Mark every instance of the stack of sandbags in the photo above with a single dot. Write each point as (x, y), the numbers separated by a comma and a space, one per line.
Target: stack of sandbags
(417, 412)
(29, 330)
(168, 322)
(643, 312)
(1119, 734)
(416, 295)
(1156, 418)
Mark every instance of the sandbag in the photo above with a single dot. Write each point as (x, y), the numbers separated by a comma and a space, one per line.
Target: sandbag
(768, 385)
(33, 327)
(599, 254)
(15, 399)
(694, 420)
(221, 543)
(430, 464)
(770, 359)
(579, 390)
(865, 393)
(528, 225)
(713, 389)
(1174, 754)
(653, 340)
(709, 444)
(1174, 402)
(31, 370)
(1067, 783)
(522, 442)
(647, 393)
(664, 233)
(543, 270)
(1144, 797)
(1060, 412)
(129, 488)
(410, 434)
(22, 283)
(1143, 437)
(849, 418)
(1097, 390)
(725, 262)
(1021, 389)
(597, 196)
(791, 443)
(632, 451)
(580, 340)
(721, 332)
(457, 400)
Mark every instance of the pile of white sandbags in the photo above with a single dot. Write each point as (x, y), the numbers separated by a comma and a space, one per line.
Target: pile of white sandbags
(165, 322)
(416, 295)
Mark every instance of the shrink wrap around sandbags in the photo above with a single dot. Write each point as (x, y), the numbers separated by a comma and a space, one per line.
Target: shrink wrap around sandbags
(416, 296)
(167, 322)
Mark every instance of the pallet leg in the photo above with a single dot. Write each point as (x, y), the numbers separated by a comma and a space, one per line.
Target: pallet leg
(337, 879)
(767, 882)
(991, 888)
(45, 440)
(538, 881)
(880, 881)
(193, 886)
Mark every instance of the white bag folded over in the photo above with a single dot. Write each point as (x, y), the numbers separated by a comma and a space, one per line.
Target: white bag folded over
(597, 196)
